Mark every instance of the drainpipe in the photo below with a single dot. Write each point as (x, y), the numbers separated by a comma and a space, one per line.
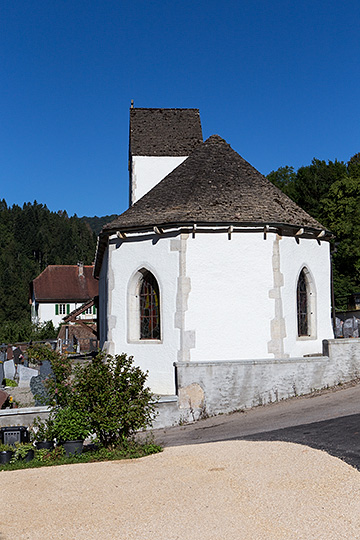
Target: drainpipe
(333, 314)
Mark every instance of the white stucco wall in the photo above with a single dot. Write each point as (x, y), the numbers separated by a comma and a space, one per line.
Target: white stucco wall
(242, 301)
(228, 308)
(147, 171)
(221, 299)
(316, 258)
(126, 258)
(46, 312)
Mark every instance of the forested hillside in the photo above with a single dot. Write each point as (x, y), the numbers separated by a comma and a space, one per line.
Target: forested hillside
(96, 223)
(330, 192)
(32, 237)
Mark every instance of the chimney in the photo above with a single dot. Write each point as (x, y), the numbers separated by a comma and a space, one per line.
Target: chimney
(81, 268)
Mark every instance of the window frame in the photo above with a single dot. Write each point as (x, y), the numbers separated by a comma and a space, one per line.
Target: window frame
(133, 307)
(310, 305)
(62, 309)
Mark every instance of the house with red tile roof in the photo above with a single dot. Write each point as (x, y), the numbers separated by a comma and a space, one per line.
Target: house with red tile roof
(61, 289)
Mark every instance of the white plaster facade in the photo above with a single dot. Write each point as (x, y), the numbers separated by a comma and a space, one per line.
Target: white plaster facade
(221, 299)
(147, 171)
(117, 291)
(46, 311)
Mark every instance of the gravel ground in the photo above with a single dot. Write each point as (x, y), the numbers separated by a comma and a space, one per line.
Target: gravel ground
(225, 490)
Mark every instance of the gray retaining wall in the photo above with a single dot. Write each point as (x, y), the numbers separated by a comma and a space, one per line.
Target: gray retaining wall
(220, 387)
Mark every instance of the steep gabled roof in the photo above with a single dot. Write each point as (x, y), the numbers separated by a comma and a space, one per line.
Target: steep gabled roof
(213, 185)
(164, 132)
(66, 283)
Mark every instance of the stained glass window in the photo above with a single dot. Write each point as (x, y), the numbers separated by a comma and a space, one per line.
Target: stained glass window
(302, 306)
(149, 308)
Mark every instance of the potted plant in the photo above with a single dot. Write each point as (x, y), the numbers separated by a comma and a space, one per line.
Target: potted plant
(43, 433)
(6, 453)
(23, 452)
(71, 428)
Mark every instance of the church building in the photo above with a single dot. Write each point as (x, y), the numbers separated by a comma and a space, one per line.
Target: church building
(211, 262)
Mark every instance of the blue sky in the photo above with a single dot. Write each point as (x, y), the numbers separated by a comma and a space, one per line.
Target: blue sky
(278, 80)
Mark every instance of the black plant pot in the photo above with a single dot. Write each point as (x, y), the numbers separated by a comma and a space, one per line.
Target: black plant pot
(47, 445)
(6, 456)
(29, 456)
(73, 447)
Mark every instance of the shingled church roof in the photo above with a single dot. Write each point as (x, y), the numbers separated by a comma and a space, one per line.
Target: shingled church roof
(213, 185)
(164, 132)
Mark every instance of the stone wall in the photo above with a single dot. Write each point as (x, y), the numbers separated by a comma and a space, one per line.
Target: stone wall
(208, 388)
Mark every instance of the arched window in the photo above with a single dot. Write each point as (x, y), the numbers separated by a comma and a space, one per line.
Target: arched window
(303, 305)
(149, 307)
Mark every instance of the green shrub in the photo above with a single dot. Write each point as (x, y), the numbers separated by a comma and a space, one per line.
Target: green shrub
(43, 430)
(21, 451)
(69, 424)
(111, 392)
(49, 456)
(6, 448)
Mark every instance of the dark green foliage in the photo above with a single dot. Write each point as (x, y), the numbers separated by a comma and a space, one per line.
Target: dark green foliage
(69, 424)
(25, 331)
(108, 393)
(330, 192)
(284, 178)
(21, 451)
(111, 391)
(97, 223)
(31, 238)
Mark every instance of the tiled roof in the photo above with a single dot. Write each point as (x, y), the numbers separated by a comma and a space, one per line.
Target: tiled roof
(164, 132)
(65, 283)
(213, 185)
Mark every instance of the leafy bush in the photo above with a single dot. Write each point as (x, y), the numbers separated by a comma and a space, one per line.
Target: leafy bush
(21, 451)
(69, 424)
(43, 430)
(111, 392)
(6, 448)
(44, 456)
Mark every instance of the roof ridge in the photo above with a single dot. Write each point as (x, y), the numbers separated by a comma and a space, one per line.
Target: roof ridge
(164, 109)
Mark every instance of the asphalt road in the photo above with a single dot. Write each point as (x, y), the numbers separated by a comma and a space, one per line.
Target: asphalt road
(329, 420)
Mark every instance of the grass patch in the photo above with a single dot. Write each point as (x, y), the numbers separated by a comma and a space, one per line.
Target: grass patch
(91, 454)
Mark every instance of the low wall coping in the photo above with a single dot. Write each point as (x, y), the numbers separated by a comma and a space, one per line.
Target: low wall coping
(24, 410)
(294, 360)
(340, 341)
(167, 399)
